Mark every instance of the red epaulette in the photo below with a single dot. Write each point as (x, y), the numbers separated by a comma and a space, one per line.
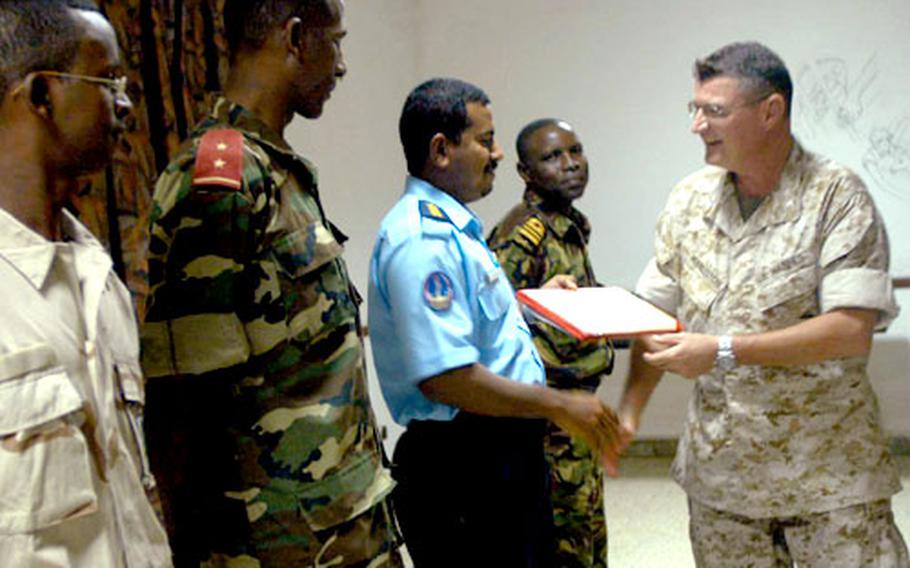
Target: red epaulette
(219, 159)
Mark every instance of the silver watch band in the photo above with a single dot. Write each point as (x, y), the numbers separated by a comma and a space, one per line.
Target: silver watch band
(725, 360)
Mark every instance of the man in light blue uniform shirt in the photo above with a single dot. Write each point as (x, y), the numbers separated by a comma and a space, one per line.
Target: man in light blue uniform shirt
(455, 359)
(455, 305)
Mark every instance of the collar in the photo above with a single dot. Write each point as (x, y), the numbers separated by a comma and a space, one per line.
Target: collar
(460, 216)
(32, 255)
(228, 112)
(560, 220)
(780, 206)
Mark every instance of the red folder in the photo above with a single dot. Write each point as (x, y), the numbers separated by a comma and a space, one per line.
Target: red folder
(589, 313)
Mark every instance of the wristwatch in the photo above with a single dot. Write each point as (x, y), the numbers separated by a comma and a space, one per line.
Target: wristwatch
(725, 360)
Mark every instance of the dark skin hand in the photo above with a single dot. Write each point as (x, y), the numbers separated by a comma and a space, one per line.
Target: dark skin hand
(475, 389)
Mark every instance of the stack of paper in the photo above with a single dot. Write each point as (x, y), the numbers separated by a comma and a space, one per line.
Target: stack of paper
(588, 313)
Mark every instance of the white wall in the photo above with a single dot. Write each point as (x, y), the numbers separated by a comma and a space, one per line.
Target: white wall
(621, 71)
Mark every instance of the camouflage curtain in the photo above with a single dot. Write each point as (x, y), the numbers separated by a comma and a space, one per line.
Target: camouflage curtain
(174, 55)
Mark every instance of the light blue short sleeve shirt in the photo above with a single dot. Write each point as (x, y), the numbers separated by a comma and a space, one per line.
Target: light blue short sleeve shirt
(439, 300)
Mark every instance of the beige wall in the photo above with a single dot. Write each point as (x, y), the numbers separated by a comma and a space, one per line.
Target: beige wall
(620, 70)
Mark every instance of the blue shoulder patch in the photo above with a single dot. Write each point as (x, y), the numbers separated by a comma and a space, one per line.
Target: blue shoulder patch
(438, 291)
(432, 211)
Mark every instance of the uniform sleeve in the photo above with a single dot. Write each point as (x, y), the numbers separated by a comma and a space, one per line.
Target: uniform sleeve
(201, 278)
(658, 288)
(854, 255)
(659, 281)
(524, 267)
(427, 293)
(527, 265)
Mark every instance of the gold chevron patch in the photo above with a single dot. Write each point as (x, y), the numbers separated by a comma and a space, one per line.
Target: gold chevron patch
(533, 230)
(432, 211)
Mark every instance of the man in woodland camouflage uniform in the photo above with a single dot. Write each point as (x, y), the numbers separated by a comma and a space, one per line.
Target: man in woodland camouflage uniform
(776, 261)
(260, 423)
(539, 238)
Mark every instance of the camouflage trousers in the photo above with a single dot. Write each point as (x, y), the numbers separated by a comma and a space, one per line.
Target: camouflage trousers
(577, 482)
(860, 536)
(369, 540)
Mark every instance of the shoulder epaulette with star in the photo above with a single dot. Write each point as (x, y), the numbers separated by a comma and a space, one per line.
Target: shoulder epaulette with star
(432, 211)
(219, 159)
(533, 231)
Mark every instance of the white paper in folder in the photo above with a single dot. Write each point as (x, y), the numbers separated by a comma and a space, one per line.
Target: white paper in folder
(588, 313)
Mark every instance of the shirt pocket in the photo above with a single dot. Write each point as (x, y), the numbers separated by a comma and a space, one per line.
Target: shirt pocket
(790, 294)
(45, 467)
(326, 466)
(700, 284)
(495, 297)
(303, 251)
(131, 406)
(358, 485)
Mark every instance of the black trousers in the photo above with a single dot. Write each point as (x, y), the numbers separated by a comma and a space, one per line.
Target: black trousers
(474, 493)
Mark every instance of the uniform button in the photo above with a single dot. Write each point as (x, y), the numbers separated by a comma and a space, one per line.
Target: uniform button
(89, 349)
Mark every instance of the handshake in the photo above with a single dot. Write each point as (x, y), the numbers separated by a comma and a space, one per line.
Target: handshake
(586, 417)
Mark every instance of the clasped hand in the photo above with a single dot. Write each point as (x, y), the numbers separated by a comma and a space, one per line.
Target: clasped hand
(589, 419)
(686, 354)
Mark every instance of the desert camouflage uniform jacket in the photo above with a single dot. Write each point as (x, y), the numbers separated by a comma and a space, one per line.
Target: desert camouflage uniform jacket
(533, 243)
(250, 297)
(774, 441)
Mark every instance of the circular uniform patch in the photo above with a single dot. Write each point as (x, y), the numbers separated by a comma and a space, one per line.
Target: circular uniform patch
(438, 291)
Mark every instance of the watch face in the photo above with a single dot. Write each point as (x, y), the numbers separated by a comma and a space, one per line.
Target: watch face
(725, 359)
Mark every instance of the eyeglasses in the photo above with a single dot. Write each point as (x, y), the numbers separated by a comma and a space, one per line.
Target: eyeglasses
(117, 86)
(713, 111)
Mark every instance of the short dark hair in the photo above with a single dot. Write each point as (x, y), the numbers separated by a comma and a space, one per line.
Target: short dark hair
(38, 35)
(248, 23)
(758, 68)
(521, 143)
(437, 106)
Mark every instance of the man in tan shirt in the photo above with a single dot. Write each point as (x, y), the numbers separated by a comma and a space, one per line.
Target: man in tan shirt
(73, 473)
(776, 261)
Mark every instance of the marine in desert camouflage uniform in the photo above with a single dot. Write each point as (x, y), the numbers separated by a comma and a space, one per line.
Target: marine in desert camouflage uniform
(541, 237)
(777, 264)
(261, 424)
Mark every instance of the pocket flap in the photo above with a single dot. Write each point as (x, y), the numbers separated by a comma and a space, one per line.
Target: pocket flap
(351, 491)
(700, 284)
(24, 360)
(303, 251)
(783, 287)
(495, 298)
(36, 393)
(132, 387)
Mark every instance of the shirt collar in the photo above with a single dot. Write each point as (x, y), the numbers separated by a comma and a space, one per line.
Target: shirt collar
(240, 118)
(780, 206)
(462, 217)
(561, 220)
(32, 255)
(226, 111)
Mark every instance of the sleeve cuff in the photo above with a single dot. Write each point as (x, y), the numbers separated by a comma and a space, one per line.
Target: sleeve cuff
(860, 288)
(421, 370)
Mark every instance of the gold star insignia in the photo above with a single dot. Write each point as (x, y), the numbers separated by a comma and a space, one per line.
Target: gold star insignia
(219, 163)
(221, 146)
